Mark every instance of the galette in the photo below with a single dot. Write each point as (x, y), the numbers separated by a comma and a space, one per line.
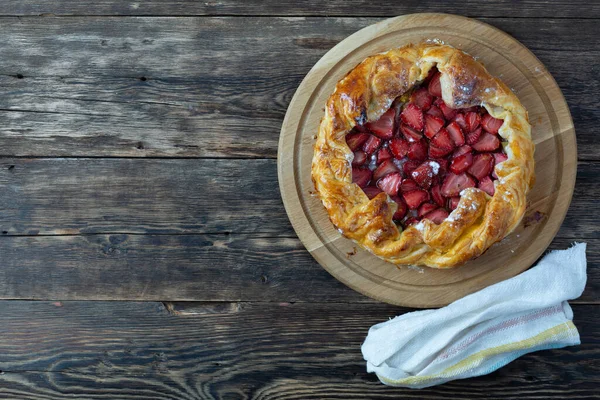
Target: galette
(423, 157)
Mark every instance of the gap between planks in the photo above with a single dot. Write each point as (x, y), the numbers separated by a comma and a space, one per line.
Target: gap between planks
(200, 308)
(227, 15)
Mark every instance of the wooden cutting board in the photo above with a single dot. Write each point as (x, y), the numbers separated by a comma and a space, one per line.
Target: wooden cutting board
(555, 157)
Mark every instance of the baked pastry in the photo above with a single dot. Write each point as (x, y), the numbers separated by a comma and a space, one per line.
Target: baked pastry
(423, 157)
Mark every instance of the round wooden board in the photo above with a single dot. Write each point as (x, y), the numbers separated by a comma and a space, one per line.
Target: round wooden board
(555, 157)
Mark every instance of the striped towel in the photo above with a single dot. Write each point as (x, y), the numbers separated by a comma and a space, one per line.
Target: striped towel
(483, 331)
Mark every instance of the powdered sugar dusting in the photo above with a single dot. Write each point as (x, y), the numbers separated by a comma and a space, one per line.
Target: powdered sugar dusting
(373, 163)
(435, 167)
(399, 163)
(435, 41)
(415, 268)
(420, 226)
(462, 207)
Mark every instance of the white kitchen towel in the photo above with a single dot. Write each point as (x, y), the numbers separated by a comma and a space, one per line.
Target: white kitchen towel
(483, 331)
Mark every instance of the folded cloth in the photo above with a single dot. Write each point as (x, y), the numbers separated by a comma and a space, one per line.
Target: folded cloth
(483, 331)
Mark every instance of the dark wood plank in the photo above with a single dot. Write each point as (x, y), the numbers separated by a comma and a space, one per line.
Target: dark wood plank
(503, 8)
(214, 87)
(128, 117)
(164, 267)
(243, 350)
(72, 196)
(215, 47)
(185, 267)
(580, 222)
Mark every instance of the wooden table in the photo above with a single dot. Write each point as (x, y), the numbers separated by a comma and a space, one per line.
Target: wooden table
(139, 203)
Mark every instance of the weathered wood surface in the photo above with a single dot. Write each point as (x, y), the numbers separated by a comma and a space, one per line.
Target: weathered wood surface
(469, 8)
(140, 195)
(185, 267)
(77, 195)
(244, 350)
(214, 87)
(275, 324)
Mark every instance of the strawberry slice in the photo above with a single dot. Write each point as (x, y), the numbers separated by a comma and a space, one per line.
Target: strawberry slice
(462, 150)
(409, 166)
(443, 162)
(385, 168)
(442, 170)
(402, 209)
(436, 195)
(435, 87)
(359, 158)
(487, 142)
(383, 154)
(437, 216)
(412, 116)
(454, 184)
(424, 173)
(361, 176)
(422, 98)
(371, 191)
(408, 185)
(418, 150)
(491, 124)
(415, 198)
(473, 137)
(443, 140)
(358, 128)
(487, 185)
(456, 133)
(448, 112)
(435, 111)
(355, 140)
(461, 121)
(399, 147)
(426, 208)
(473, 119)
(470, 109)
(390, 183)
(453, 202)
(411, 221)
(410, 134)
(498, 158)
(482, 165)
(461, 163)
(384, 126)
(432, 125)
(372, 144)
(436, 152)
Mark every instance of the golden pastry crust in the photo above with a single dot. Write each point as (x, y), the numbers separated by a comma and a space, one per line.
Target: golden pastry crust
(479, 220)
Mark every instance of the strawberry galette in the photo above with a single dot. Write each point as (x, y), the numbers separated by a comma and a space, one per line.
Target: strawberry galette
(423, 157)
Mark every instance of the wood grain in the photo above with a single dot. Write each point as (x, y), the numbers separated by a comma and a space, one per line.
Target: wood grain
(215, 87)
(239, 350)
(128, 117)
(71, 196)
(469, 8)
(555, 162)
(236, 267)
(81, 92)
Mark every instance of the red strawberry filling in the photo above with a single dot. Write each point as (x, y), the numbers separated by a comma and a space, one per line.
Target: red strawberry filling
(423, 154)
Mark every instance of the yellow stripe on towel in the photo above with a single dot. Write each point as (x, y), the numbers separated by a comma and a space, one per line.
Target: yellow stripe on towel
(563, 330)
